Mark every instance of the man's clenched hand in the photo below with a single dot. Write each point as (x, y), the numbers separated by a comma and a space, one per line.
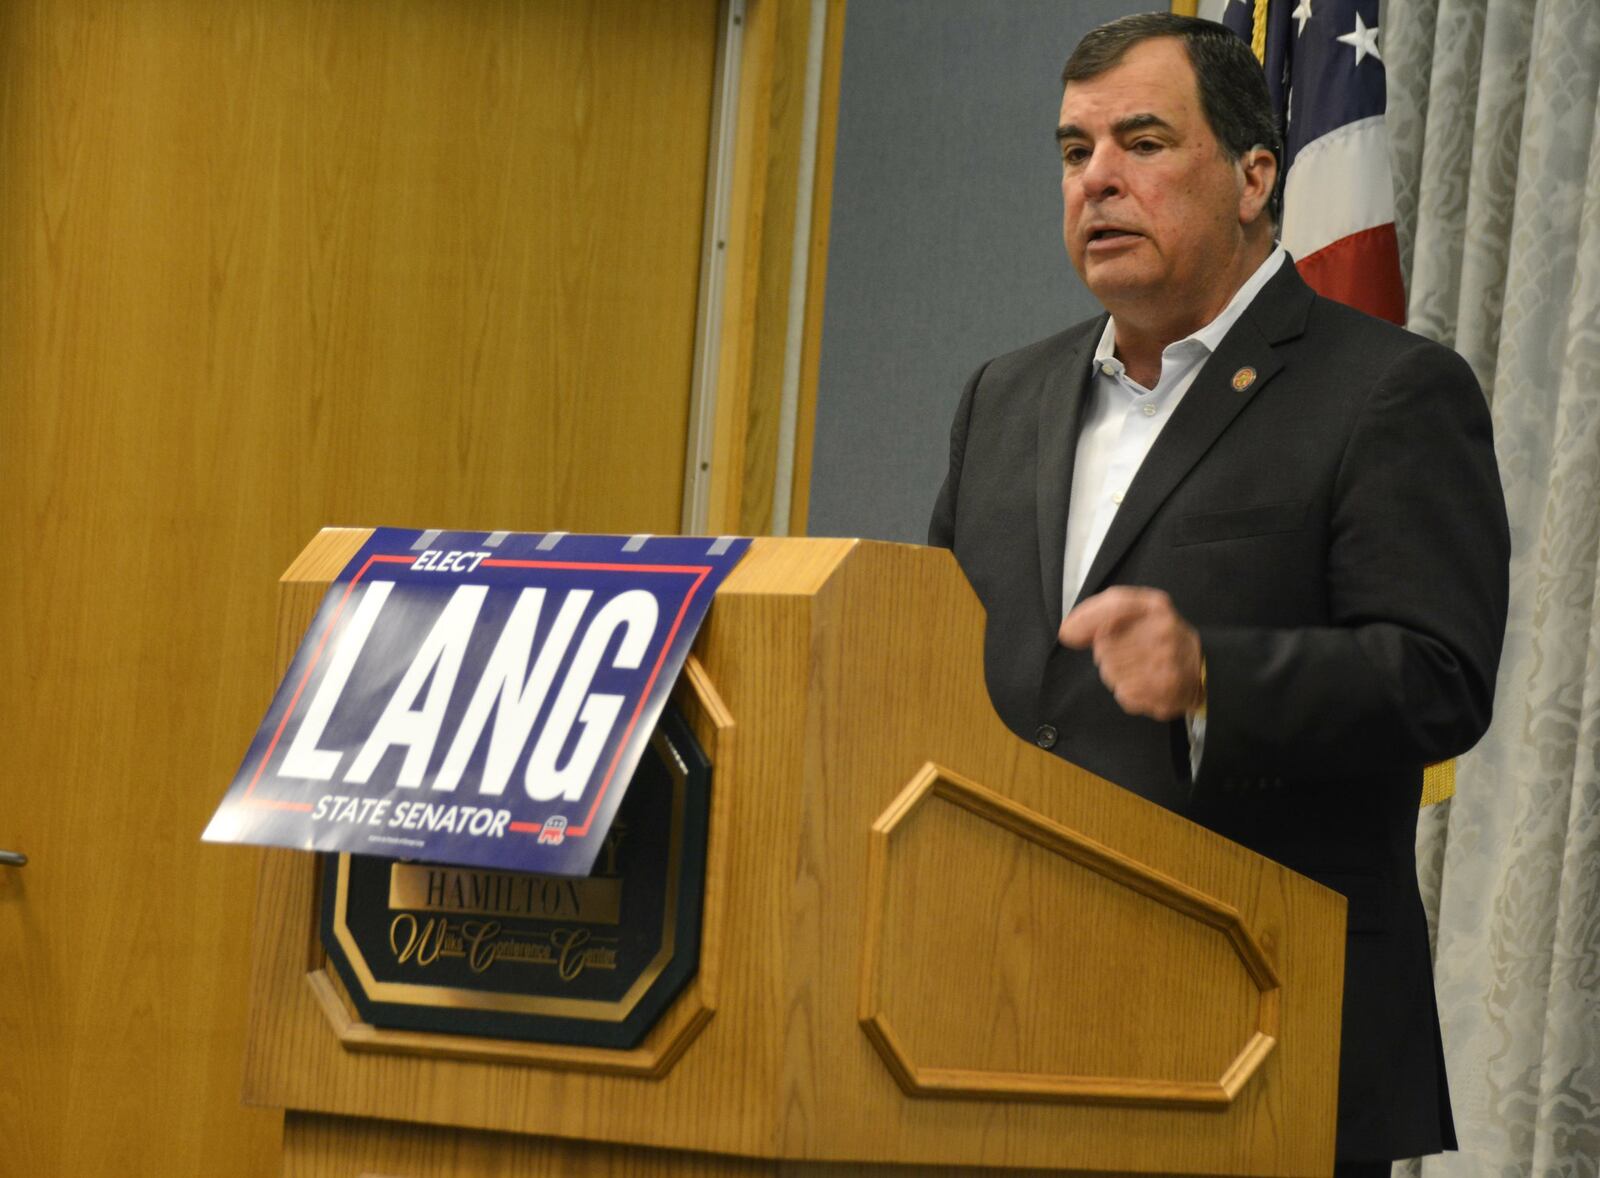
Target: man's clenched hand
(1147, 654)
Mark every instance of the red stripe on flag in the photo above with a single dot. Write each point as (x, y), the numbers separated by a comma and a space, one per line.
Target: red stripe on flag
(1363, 271)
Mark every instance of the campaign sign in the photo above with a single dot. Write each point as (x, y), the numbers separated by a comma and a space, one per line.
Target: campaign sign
(476, 700)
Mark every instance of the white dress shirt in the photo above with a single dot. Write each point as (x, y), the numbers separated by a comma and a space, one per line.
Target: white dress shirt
(1122, 419)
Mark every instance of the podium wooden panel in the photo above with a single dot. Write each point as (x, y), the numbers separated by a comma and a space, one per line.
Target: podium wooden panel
(929, 947)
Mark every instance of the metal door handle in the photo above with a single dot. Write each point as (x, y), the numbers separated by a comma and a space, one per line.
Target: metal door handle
(13, 859)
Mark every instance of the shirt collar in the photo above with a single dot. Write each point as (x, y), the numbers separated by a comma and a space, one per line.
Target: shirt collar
(1212, 333)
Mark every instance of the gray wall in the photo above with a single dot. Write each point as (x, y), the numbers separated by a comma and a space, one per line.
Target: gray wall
(945, 243)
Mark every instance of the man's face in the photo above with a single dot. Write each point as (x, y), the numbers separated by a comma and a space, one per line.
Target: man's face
(1154, 212)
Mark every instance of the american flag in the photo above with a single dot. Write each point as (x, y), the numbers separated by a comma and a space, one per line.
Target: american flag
(1324, 66)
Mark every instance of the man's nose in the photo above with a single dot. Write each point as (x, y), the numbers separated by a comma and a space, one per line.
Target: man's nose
(1101, 175)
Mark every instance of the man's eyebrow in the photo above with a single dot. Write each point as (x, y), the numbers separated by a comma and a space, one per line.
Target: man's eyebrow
(1140, 122)
(1123, 126)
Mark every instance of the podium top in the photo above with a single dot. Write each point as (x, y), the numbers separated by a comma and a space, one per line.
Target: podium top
(774, 566)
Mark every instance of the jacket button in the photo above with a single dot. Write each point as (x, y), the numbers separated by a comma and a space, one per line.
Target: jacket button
(1045, 737)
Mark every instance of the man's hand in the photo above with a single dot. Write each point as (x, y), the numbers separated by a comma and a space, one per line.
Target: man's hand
(1147, 654)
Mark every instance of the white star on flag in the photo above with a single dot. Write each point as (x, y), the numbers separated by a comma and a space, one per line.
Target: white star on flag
(1303, 14)
(1364, 39)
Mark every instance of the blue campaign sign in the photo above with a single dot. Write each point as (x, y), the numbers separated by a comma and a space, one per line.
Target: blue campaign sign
(472, 699)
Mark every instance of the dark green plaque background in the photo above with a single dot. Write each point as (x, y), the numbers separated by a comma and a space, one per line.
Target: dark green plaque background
(530, 1000)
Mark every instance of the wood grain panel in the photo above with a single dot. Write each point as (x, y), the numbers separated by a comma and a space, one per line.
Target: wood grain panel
(784, 88)
(817, 271)
(760, 261)
(267, 265)
(1000, 967)
(325, 1147)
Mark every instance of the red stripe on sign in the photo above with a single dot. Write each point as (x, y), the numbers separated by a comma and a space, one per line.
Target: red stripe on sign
(591, 565)
(1361, 271)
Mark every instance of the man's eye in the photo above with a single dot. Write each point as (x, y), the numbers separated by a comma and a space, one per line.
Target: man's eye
(1146, 146)
(1074, 155)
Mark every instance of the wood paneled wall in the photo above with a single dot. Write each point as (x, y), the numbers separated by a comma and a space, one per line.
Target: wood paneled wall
(267, 265)
(769, 168)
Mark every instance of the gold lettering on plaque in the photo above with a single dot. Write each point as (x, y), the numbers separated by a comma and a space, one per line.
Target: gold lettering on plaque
(590, 899)
(410, 939)
(486, 942)
(480, 942)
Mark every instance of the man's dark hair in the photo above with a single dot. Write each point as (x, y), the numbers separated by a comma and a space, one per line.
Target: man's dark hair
(1233, 90)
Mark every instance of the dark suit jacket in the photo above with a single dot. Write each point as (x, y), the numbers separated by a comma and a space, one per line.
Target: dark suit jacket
(1335, 531)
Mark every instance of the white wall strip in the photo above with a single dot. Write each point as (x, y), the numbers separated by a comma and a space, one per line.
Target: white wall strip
(799, 275)
(713, 271)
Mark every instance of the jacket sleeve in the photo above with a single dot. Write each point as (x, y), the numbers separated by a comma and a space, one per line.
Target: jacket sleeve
(942, 527)
(1416, 574)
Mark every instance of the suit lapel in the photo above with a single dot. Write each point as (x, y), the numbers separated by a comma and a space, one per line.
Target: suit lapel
(1061, 397)
(1207, 409)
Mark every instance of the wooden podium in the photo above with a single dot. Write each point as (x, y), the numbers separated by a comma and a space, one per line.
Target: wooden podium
(929, 948)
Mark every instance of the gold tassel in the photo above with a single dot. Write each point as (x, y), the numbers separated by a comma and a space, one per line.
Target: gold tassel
(1438, 782)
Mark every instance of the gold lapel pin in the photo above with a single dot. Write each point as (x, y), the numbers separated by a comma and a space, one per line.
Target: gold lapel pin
(1244, 378)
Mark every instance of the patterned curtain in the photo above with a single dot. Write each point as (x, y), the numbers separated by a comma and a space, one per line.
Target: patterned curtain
(1496, 143)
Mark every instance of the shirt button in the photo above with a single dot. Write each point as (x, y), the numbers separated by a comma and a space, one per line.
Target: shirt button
(1045, 737)
(1149, 410)
(1117, 498)
(1109, 369)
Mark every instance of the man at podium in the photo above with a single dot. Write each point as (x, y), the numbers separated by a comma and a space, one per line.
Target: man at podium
(1243, 549)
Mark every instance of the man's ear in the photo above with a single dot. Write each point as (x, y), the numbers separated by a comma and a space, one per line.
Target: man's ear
(1258, 170)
